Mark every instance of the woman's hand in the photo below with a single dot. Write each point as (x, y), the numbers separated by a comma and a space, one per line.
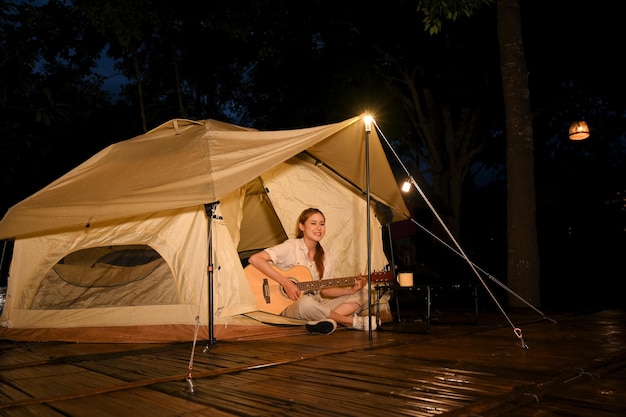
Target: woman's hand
(291, 290)
(359, 283)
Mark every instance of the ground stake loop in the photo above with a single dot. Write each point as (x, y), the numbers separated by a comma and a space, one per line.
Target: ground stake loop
(518, 333)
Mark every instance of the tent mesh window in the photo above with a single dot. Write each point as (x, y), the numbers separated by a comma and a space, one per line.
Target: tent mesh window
(110, 276)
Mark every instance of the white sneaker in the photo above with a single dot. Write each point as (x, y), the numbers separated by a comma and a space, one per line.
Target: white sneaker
(363, 323)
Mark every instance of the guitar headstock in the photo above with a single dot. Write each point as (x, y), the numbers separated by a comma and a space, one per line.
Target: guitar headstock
(382, 277)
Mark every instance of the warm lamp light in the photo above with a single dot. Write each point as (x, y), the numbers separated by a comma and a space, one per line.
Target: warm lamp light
(406, 186)
(368, 122)
(579, 130)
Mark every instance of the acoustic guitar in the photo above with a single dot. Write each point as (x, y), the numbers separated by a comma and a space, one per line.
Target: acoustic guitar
(271, 297)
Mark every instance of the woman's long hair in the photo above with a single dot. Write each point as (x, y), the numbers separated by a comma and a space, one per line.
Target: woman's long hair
(319, 251)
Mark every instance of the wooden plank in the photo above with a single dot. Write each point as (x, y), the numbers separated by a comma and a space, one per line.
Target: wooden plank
(576, 366)
(136, 402)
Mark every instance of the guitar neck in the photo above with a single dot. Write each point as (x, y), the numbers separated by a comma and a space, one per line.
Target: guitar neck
(325, 283)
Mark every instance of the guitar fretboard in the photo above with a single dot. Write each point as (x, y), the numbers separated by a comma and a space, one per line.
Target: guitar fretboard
(323, 283)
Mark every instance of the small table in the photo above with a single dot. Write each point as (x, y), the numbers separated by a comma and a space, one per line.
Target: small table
(427, 292)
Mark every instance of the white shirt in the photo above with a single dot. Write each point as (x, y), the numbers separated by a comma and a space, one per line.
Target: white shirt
(294, 252)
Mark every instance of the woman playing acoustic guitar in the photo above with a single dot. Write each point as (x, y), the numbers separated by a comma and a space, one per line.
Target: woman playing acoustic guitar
(323, 309)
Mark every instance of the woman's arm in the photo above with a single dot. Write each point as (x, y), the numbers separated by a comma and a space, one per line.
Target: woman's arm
(261, 261)
(339, 291)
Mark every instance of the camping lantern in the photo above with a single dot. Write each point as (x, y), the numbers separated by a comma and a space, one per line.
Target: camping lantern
(579, 130)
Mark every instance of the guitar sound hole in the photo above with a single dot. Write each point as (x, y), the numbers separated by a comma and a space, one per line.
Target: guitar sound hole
(282, 289)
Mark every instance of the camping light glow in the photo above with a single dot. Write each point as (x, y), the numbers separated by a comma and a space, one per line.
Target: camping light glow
(406, 186)
(368, 122)
(579, 130)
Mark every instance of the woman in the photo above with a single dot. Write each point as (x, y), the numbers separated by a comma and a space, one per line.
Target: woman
(323, 309)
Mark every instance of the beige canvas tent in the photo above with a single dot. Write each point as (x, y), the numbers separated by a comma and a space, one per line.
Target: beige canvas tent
(144, 242)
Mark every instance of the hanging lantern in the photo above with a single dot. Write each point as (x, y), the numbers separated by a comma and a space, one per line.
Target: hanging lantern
(579, 130)
(406, 186)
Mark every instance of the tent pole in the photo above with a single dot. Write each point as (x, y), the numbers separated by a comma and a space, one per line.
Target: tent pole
(392, 262)
(4, 248)
(210, 209)
(368, 130)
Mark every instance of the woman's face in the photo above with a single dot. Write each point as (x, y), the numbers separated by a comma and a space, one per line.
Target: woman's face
(314, 227)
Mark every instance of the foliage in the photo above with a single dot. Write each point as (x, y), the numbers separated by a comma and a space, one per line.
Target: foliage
(436, 11)
(47, 85)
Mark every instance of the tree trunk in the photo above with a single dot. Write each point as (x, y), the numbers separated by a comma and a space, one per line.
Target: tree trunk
(523, 254)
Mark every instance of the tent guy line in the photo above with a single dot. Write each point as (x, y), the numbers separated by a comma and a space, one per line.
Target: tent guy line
(459, 250)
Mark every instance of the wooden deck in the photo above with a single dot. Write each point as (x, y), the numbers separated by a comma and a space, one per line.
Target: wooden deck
(574, 367)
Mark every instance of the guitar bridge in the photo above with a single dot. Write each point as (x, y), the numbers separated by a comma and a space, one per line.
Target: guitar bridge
(266, 291)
